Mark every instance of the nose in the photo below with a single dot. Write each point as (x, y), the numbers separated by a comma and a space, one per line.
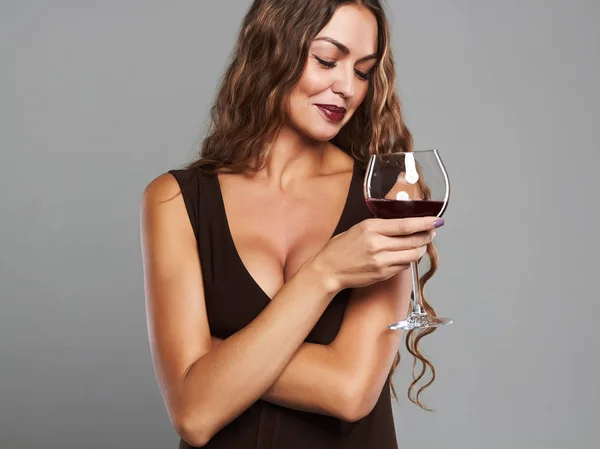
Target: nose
(344, 82)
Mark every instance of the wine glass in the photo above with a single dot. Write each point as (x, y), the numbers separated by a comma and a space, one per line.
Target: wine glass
(402, 185)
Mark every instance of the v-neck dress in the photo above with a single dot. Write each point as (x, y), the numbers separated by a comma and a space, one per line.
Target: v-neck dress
(234, 299)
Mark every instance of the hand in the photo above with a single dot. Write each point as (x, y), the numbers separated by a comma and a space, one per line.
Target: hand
(374, 250)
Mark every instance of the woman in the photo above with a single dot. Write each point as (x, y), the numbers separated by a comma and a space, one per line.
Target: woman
(266, 242)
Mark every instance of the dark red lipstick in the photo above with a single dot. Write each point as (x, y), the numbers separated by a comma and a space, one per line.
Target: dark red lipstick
(332, 112)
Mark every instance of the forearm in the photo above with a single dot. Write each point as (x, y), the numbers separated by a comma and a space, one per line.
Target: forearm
(343, 379)
(228, 379)
(316, 380)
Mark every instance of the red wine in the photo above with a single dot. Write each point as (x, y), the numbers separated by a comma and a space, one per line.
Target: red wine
(384, 208)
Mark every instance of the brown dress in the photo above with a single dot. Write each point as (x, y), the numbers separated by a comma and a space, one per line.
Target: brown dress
(234, 299)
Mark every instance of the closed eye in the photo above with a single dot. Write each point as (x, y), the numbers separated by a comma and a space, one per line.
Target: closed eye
(330, 65)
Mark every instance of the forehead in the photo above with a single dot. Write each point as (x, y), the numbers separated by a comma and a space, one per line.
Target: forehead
(353, 26)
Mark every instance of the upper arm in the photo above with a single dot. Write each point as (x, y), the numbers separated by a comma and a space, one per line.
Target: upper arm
(177, 323)
(364, 342)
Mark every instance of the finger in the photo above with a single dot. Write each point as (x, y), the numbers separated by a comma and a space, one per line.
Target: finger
(403, 257)
(393, 270)
(412, 241)
(404, 226)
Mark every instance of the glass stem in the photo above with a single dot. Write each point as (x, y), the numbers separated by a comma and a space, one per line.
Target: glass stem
(417, 304)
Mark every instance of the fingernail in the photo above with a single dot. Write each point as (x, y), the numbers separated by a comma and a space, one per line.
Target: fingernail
(438, 223)
(434, 234)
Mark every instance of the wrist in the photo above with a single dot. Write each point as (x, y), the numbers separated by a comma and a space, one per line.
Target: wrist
(322, 273)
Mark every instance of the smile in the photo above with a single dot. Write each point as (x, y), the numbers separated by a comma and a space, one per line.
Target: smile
(332, 112)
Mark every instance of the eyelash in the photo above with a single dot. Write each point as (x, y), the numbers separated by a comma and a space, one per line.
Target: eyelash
(330, 65)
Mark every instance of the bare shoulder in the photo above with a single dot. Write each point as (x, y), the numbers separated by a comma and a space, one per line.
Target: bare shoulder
(162, 209)
(161, 189)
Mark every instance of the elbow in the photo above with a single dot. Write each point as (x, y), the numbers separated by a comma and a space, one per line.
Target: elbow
(351, 416)
(191, 432)
(356, 403)
(354, 412)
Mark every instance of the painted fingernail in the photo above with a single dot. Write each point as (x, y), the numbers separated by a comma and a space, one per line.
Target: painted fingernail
(438, 223)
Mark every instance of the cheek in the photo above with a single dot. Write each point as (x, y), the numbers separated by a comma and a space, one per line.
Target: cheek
(314, 81)
(310, 86)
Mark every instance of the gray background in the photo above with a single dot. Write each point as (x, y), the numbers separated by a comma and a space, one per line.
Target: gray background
(97, 98)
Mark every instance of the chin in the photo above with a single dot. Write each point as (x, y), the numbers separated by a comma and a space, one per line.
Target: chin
(317, 132)
(322, 135)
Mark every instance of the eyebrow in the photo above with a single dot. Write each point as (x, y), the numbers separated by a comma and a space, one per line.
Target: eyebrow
(344, 49)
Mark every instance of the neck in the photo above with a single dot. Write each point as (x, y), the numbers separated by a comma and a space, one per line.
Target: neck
(293, 157)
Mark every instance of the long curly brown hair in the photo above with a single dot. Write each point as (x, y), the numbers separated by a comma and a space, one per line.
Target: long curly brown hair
(251, 107)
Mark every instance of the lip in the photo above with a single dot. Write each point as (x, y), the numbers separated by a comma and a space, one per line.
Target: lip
(332, 112)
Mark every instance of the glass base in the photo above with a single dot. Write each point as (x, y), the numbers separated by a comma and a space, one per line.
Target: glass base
(418, 322)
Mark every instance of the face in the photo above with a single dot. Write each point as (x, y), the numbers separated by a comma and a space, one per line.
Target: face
(336, 78)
